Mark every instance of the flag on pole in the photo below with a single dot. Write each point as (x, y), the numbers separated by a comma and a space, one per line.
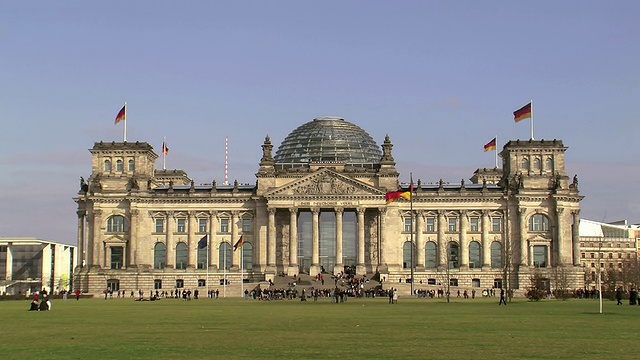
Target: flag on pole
(238, 244)
(122, 114)
(165, 149)
(394, 195)
(490, 146)
(202, 243)
(522, 113)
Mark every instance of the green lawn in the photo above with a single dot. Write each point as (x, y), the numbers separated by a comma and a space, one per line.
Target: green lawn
(366, 328)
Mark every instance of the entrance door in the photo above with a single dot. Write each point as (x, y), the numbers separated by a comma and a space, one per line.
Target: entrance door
(304, 265)
(113, 285)
(327, 264)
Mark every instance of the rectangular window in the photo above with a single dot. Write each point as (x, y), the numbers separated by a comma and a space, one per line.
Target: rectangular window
(474, 224)
(202, 225)
(431, 281)
(179, 283)
(540, 256)
(496, 225)
(202, 283)
(224, 225)
(246, 225)
(181, 226)
(497, 283)
(431, 224)
(116, 257)
(159, 226)
(407, 224)
(453, 224)
(157, 284)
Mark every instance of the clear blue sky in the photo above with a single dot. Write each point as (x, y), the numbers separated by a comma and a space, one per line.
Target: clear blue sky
(442, 78)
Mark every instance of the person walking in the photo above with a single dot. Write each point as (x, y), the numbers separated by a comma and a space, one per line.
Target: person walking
(619, 296)
(502, 299)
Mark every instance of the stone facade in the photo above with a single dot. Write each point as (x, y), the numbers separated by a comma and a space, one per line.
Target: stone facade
(139, 228)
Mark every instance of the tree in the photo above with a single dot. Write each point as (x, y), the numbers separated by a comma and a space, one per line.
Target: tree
(560, 278)
(537, 288)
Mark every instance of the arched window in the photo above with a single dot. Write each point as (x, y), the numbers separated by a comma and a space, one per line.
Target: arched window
(536, 164)
(107, 165)
(224, 256)
(453, 255)
(132, 165)
(119, 165)
(181, 256)
(202, 257)
(430, 255)
(496, 255)
(524, 164)
(474, 255)
(247, 256)
(548, 164)
(407, 261)
(159, 256)
(115, 224)
(538, 222)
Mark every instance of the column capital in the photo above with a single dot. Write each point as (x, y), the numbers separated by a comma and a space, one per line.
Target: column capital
(81, 214)
(441, 212)
(485, 212)
(382, 210)
(213, 213)
(97, 213)
(361, 210)
(575, 212)
(134, 212)
(560, 210)
(522, 211)
(315, 210)
(338, 210)
(293, 210)
(271, 210)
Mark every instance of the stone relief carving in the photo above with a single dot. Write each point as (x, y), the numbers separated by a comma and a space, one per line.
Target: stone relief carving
(325, 185)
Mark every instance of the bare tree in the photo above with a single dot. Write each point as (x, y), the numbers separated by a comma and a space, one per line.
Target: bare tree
(560, 278)
(537, 288)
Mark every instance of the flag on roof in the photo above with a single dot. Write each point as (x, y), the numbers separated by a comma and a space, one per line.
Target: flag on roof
(395, 195)
(238, 244)
(122, 114)
(522, 113)
(165, 149)
(491, 145)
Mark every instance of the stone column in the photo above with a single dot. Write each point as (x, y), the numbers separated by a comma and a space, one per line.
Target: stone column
(192, 257)
(171, 246)
(293, 241)
(213, 245)
(464, 249)
(236, 254)
(315, 239)
(98, 247)
(559, 245)
(89, 246)
(420, 253)
(133, 240)
(8, 266)
(575, 237)
(442, 244)
(383, 266)
(486, 246)
(524, 256)
(360, 267)
(271, 240)
(339, 265)
(81, 214)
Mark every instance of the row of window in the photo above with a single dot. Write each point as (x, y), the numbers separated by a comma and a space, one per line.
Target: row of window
(117, 224)
(602, 265)
(537, 222)
(610, 256)
(606, 244)
(108, 167)
(525, 163)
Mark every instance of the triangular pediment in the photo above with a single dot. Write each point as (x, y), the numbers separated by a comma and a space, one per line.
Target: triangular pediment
(325, 182)
(115, 240)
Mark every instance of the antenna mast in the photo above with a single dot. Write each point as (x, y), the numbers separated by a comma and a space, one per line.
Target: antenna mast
(226, 160)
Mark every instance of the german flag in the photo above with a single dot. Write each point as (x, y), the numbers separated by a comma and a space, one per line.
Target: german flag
(522, 113)
(395, 195)
(122, 114)
(490, 146)
(238, 244)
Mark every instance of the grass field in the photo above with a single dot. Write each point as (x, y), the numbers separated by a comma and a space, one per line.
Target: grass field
(365, 328)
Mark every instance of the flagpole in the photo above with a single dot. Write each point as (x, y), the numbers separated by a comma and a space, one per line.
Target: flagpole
(412, 226)
(241, 272)
(496, 151)
(224, 275)
(207, 265)
(124, 135)
(531, 119)
(164, 153)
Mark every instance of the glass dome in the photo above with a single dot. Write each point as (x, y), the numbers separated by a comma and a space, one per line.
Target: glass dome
(328, 139)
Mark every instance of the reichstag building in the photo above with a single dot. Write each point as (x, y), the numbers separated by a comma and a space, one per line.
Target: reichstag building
(318, 206)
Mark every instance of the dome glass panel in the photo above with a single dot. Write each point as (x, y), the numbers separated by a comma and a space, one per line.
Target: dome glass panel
(328, 139)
